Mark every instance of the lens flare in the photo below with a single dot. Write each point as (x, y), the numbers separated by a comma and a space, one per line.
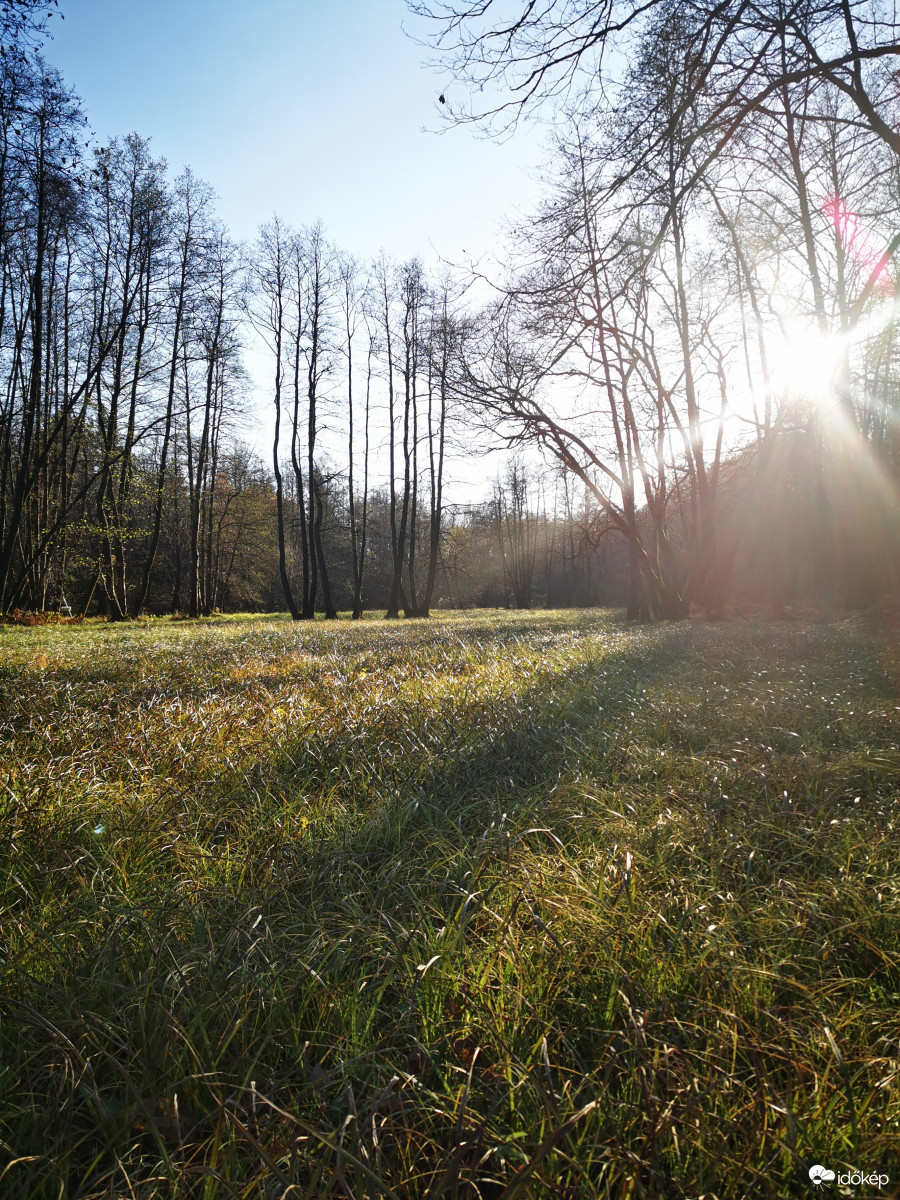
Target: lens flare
(857, 243)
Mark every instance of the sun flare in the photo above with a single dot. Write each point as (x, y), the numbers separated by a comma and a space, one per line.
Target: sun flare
(807, 364)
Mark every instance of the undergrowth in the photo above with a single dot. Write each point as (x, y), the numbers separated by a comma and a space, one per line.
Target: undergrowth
(518, 905)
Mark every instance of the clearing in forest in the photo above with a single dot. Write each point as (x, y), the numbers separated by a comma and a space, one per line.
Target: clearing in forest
(498, 905)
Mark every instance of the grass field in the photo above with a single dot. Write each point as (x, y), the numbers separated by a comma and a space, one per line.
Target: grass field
(498, 905)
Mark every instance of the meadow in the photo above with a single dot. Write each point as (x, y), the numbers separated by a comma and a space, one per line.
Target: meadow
(495, 905)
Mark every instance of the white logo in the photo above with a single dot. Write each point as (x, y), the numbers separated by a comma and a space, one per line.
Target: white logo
(820, 1175)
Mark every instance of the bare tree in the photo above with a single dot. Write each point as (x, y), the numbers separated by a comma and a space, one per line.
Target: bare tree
(314, 283)
(353, 312)
(270, 266)
(517, 527)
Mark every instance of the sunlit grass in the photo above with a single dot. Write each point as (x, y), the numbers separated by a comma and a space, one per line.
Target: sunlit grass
(500, 905)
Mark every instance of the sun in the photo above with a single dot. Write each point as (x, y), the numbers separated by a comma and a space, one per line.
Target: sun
(807, 364)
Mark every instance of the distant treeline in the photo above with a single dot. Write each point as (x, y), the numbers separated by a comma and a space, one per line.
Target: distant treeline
(634, 349)
(124, 483)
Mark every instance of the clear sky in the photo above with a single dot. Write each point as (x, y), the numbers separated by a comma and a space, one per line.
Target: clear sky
(311, 108)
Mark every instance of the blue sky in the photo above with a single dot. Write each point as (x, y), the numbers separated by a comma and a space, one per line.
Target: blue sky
(311, 108)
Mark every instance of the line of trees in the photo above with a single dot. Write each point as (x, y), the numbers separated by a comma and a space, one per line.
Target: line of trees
(123, 315)
(337, 333)
(696, 330)
(124, 308)
(120, 358)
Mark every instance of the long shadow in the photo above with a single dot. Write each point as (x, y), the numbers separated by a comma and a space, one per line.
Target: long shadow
(474, 764)
(496, 760)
